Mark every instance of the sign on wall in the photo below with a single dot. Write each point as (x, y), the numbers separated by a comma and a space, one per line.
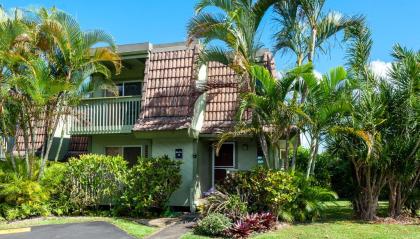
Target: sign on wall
(178, 153)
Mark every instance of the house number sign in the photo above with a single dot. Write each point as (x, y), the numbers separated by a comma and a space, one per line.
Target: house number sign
(178, 153)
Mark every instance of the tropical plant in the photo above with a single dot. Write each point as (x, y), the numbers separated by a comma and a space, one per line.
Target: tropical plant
(401, 130)
(272, 111)
(358, 137)
(263, 189)
(252, 223)
(150, 183)
(94, 180)
(71, 56)
(214, 224)
(327, 101)
(309, 202)
(306, 29)
(236, 25)
(230, 205)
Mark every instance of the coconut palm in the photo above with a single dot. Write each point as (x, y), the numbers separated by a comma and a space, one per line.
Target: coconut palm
(236, 25)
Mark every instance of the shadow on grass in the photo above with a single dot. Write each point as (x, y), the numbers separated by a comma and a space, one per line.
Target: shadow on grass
(340, 211)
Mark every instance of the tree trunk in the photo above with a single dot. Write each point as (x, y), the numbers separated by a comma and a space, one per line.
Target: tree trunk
(286, 160)
(313, 42)
(370, 182)
(311, 157)
(295, 150)
(26, 143)
(315, 155)
(61, 138)
(264, 148)
(49, 144)
(395, 199)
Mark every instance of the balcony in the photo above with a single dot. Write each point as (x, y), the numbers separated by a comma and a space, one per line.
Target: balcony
(105, 115)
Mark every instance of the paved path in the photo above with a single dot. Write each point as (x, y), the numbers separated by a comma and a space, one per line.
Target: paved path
(89, 230)
(176, 230)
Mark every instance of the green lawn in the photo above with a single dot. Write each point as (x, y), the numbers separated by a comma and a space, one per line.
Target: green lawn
(337, 224)
(133, 228)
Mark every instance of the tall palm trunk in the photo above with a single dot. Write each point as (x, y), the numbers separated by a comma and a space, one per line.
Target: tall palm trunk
(61, 138)
(286, 160)
(311, 157)
(295, 150)
(51, 131)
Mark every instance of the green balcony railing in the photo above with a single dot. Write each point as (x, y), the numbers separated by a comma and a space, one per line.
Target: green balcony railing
(105, 115)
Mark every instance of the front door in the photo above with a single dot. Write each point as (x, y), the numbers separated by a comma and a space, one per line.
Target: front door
(223, 162)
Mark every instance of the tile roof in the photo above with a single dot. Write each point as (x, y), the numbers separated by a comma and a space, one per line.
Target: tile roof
(169, 91)
(223, 99)
(169, 84)
(39, 136)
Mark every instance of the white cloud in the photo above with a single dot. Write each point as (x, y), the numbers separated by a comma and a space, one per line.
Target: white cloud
(380, 68)
(317, 74)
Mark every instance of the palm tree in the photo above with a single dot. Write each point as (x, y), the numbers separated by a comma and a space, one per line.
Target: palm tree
(237, 27)
(401, 131)
(327, 100)
(358, 137)
(13, 40)
(71, 53)
(304, 30)
(275, 111)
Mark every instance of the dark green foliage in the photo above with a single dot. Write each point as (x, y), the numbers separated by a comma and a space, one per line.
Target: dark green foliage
(95, 180)
(290, 196)
(53, 182)
(20, 196)
(214, 224)
(150, 184)
(262, 189)
(309, 201)
(230, 205)
(413, 201)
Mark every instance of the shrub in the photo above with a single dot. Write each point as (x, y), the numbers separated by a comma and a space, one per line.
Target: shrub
(52, 181)
(262, 189)
(214, 224)
(308, 203)
(151, 182)
(21, 198)
(289, 196)
(230, 205)
(95, 180)
(257, 222)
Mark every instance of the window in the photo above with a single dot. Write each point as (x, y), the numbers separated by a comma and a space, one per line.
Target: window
(130, 153)
(128, 88)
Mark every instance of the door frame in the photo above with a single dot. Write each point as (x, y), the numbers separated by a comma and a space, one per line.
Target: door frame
(213, 156)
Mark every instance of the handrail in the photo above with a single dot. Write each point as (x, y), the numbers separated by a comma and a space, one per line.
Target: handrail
(112, 97)
(105, 115)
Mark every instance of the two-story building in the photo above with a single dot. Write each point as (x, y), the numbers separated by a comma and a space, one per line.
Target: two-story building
(160, 110)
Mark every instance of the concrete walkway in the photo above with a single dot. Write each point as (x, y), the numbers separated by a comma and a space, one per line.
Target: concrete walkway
(175, 230)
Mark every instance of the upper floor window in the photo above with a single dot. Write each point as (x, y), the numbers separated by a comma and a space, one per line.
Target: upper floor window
(128, 88)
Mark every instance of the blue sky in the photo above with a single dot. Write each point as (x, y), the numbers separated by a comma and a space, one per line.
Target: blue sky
(163, 21)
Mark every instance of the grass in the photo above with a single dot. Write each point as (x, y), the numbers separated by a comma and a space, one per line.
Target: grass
(130, 227)
(337, 223)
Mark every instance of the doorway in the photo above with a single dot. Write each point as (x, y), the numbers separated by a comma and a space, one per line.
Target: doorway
(223, 162)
